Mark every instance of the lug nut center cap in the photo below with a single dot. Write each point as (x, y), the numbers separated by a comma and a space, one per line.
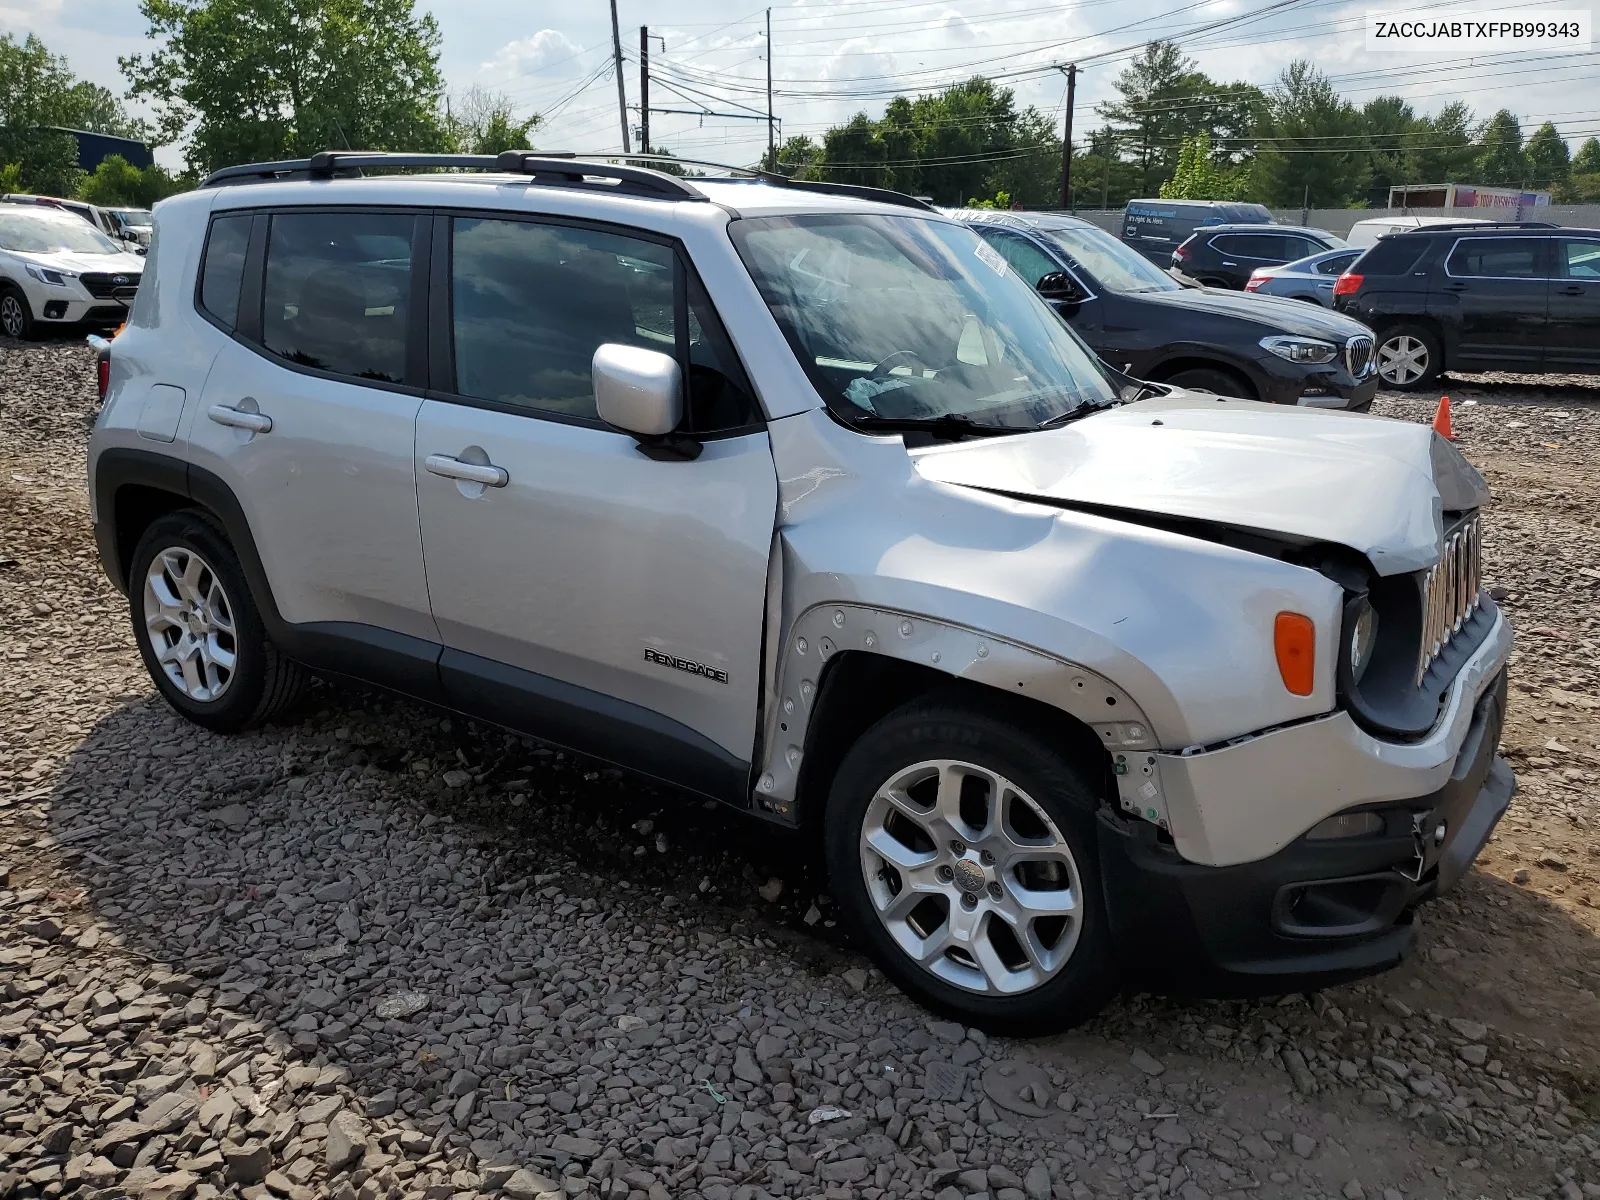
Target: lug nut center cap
(969, 876)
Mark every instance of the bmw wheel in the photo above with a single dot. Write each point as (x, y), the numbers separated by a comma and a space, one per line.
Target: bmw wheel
(1408, 357)
(962, 849)
(198, 630)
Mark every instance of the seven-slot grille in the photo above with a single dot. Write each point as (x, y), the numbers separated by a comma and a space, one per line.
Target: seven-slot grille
(1450, 592)
(1358, 355)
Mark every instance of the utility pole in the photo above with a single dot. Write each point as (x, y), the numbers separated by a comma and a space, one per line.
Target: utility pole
(1105, 178)
(772, 149)
(616, 59)
(644, 89)
(1066, 138)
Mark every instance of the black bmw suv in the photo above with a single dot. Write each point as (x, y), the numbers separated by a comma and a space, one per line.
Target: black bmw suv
(1224, 255)
(1478, 297)
(1147, 324)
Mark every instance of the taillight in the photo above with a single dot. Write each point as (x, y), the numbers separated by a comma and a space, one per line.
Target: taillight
(1348, 284)
(1180, 253)
(102, 372)
(1256, 280)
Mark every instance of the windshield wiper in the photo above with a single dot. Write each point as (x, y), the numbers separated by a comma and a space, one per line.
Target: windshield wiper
(949, 425)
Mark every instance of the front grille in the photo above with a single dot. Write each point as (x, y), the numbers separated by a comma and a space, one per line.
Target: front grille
(103, 285)
(1358, 355)
(1451, 592)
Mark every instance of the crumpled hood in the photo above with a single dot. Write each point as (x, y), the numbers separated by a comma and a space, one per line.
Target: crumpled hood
(1275, 314)
(1375, 485)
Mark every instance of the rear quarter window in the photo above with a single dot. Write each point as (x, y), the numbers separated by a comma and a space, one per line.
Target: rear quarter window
(222, 272)
(1391, 256)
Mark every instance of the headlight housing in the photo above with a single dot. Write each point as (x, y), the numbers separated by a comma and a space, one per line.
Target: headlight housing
(1363, 639)
(48, 275)
(1346, 825)
(1311, 351)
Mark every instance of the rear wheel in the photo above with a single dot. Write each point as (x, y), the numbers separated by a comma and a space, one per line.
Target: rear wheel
(1408, 357)
(16, 319)
(962, 849)
(198, 630)
(1212, 379)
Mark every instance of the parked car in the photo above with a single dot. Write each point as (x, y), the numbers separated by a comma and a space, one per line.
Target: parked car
(120, 224)
(1155, 228)
(796, 496)
(1478, 297)
(1144, 322)
(56, 270)
(1225, 255)
(1310, 278)
(1367, 232)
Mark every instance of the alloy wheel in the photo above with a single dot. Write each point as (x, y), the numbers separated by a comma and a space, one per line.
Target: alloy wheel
(1402, 360)
(190, 624)
(971, 878)
(12, 317)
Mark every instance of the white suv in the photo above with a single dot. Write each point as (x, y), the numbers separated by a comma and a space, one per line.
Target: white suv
(795, 496)
(57, 270)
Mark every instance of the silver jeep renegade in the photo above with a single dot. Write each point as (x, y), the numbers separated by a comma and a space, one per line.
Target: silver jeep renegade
(795, 496)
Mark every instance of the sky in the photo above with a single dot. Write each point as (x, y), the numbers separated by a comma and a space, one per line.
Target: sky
(832, 58)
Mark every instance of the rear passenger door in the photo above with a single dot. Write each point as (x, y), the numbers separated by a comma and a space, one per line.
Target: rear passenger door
(1574, 339)
(590, 593)
(307, 417)
(1494, 293)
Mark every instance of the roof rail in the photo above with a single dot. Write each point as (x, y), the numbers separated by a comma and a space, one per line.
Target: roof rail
(758, 175)
(560, 170)
(1481, 225)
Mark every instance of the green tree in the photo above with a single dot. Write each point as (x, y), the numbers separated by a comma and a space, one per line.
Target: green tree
(1315, 148)
(795, 156)
(486, 122)
(1100, 177)
(1390, 123)
(1198, 175)
(35, 94)
(1501, 159)
(1587, 160)
(116, 183)
(248, 80)
(1441, 147)
(1157, 92)
(1549, 161)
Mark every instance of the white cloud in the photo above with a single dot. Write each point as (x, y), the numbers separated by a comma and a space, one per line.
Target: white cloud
(530, 55)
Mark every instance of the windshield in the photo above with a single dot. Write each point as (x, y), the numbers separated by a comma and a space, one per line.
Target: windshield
(1114, 266)
(912, 319)
(32, 233)
(132, 216)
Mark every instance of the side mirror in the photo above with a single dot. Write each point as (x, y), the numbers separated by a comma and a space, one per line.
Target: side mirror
(1061, 287)
(640, 392)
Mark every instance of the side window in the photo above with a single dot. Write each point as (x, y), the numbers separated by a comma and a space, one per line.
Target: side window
(1230, 244)
(1299, 247)
(1580, 260)
(1496, 258)
(1338, 264)
(1029, 262)
(532, 302)
(222, 274)
(337, 292)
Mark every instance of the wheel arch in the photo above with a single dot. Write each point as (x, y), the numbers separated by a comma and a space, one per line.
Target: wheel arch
(1191, 361)
(846, 666)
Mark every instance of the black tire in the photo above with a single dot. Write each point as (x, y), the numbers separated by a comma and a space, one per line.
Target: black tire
(16, 318)
(262, 682)
(1011, 743)
(1217, 283)
(1212, 379)
(1393, 339)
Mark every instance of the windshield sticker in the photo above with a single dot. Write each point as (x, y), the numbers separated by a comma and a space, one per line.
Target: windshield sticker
(990, 257)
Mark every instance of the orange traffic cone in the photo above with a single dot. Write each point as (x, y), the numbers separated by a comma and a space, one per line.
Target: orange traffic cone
(1441, 420)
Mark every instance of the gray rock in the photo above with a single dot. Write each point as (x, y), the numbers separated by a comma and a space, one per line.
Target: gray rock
(334, 893)
(1172, 1133)
(461, 1083)
(1037, 1182)
(1146, 1063)
(525, 1185)
(247, 1164)
(1303, 1145)
(745, 1067)
(346, 1141)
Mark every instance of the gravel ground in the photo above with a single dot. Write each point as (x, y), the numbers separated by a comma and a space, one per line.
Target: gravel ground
(379, 952)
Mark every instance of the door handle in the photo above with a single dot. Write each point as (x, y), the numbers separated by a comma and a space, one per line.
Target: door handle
(1455, 287)
(1572, 289)
(1226, 263)
(454, 468)
(237, 418)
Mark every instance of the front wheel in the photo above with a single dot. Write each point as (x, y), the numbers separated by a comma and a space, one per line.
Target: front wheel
(16, 320)
(962, 848)
(1214, 380)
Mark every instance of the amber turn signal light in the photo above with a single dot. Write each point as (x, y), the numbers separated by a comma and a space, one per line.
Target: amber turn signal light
(1294, 640)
